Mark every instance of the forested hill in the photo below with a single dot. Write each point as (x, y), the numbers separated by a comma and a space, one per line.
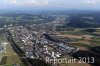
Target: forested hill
(85, 20)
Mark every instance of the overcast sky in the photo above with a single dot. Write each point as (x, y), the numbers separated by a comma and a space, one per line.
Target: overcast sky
(51, 4)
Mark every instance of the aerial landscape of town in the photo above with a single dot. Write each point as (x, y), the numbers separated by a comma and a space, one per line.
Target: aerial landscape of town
(49, 37)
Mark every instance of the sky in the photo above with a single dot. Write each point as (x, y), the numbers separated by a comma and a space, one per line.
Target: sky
(51, 4)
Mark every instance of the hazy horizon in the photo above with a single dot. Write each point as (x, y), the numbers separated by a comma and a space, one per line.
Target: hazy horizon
(50, 4)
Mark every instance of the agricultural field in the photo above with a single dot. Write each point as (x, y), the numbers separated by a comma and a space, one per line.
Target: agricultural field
(86, 41)
(8, 57)
(1, 39)
(86, 38)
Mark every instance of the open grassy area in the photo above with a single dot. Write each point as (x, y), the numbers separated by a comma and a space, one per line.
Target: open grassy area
(97, 39)
(75, 32)
(95, 42)
(82, 45)
(11, 65)
(10, 57)
(1, 39)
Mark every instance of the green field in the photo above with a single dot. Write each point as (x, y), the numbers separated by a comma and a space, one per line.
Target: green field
(97, 39)
(95, 42)
(12, 57)
(1, 39)
(9, 57)
(82, 45)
